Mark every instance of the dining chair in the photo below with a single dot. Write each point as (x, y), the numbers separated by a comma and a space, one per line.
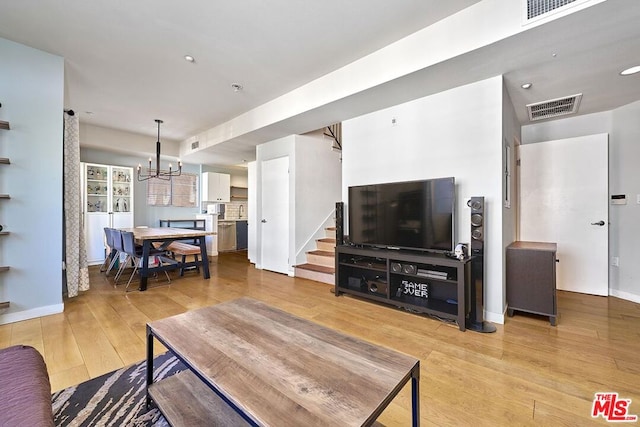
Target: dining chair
(134, 254)
(112, 256)
(118, 244)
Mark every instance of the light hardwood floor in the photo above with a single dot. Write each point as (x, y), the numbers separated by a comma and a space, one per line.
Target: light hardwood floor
(527, 373)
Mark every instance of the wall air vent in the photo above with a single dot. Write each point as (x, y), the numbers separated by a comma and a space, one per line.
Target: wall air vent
(540, 7)
(554, 107)
(195, 145)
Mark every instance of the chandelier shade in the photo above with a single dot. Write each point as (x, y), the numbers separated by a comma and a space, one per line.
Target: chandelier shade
(157, 172)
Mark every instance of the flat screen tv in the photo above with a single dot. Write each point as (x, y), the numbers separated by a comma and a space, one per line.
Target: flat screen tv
(417, 215)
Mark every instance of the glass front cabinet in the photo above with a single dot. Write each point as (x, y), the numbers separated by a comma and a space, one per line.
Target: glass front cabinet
(107, 201)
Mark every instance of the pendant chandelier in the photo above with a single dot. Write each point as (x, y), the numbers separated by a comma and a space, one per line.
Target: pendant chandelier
(157, 173)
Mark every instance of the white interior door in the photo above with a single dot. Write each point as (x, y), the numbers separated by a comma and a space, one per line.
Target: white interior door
(564, 199)
(275, 215)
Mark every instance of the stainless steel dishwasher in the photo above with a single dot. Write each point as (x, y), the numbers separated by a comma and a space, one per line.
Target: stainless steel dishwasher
(226, 236)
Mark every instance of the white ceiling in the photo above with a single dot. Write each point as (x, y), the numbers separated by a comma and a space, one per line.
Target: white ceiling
(124, 60)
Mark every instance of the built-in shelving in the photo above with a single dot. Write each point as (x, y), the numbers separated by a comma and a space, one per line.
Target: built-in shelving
(239, 193)
(4, 161)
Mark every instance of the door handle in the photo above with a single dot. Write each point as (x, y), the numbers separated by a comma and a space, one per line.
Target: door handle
(263, 221)
(600, 223)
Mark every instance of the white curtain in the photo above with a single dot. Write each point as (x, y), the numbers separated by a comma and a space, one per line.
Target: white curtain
(77, 273)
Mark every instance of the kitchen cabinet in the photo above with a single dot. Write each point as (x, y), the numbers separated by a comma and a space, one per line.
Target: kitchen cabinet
(216, 187)
(242, 235)
(107, 196)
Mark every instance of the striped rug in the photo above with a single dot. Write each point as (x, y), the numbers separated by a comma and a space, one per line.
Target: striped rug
(114, 399)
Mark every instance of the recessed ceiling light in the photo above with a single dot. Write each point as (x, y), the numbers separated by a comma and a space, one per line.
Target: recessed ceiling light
(236, 87)
(526, 86)
(630, 71)
(189, 58)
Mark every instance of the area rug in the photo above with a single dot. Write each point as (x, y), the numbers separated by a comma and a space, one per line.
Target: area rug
(114, 399)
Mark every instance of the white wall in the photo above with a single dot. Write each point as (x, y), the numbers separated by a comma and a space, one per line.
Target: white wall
(126, 142)
(93, 139)
(511, 137)
(624, 229)
(588, 124)
(318, 188)
(314, 188)
(623, 127)
(142, 214)
(453, 133)
(282, 147)
(31, 93)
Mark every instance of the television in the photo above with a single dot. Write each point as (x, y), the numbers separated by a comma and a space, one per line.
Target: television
(414, 215)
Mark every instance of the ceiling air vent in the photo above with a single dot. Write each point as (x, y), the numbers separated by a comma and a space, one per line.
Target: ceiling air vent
(195, 145)
(540, 7)
(554, 107)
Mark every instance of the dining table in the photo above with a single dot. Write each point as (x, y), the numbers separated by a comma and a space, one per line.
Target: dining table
(160, 238)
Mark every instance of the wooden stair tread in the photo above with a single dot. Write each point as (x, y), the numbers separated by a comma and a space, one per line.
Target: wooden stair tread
(4, 196)
(327, 240)
(4, 304)
(4, 268)
(5, 161)
(4, 125)
(321, 253)
(318, 268)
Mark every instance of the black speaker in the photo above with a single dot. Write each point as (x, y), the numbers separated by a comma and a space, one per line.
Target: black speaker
(476, 322)
(409, 268)
(396, 267)
(339, 223)
(377, 286)
(477, 225)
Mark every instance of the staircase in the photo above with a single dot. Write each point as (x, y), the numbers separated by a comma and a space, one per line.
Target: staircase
(320, 265)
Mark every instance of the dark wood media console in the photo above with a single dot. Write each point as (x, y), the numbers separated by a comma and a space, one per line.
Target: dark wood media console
(424, 282)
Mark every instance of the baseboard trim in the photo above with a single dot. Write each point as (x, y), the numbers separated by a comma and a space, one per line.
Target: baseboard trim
(494, 317)
(624, 295)
(31, 314)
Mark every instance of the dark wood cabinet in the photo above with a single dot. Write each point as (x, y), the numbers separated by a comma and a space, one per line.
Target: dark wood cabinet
(427, 283)
(242, 235)
(531, 278)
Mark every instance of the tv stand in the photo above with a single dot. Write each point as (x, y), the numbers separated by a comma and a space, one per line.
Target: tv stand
(427, 283)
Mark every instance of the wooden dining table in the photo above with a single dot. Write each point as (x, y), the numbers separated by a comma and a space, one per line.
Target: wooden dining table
(147, 236)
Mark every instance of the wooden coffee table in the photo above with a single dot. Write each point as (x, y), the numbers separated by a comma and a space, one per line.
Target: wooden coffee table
(252, 364)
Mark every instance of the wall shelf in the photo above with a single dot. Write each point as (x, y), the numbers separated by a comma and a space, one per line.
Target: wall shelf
(239, 193)
(4, 161)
